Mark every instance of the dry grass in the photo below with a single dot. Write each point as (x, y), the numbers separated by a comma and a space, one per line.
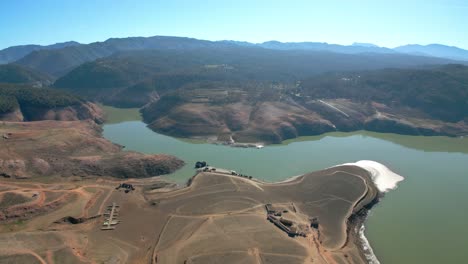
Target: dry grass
(217, 219)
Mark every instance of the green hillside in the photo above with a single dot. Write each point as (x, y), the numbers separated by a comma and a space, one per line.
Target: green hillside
(117, 78)
(441, 92)
(13, 73)
(14, 96)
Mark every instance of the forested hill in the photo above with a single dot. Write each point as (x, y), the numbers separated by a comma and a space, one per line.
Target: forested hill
(57, 62)
(15, 53)
(441, 92)
(429, 101)
(13, 73)
(22, 102)
(142, 72)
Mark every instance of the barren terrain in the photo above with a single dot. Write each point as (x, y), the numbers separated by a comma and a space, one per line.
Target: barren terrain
(72, 148)
(275, 121)
(218, 218)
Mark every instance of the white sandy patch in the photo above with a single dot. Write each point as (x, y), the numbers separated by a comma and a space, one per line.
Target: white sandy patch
(385, 180)
(368, 252)
(383, 177)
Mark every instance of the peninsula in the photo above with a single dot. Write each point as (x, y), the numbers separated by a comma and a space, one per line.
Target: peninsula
(218, 216)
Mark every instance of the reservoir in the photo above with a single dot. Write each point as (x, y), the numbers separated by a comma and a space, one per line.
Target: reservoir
(423, 221)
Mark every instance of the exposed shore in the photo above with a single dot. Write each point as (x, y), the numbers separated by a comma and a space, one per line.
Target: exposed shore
(169, 212)
(273, 122)
(385, 180)
(72, 148)
(380, 176)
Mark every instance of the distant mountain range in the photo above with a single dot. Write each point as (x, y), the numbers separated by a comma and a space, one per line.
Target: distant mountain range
(264, 92)
(435, 50)
(57, 62)
(58, 59)
(14, 53)
(318, 46)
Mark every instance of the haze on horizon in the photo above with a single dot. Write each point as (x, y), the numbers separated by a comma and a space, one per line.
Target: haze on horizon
(384, 23)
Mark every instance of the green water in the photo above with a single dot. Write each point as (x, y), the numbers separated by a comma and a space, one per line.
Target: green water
(424, 221)
(118, 115)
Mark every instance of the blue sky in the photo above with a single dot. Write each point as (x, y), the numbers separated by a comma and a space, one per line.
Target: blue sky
(385, 23)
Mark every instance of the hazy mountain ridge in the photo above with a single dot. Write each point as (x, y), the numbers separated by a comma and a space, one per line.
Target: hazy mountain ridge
(319, 46)
(58, 60)
(435, 50)
(14, 53)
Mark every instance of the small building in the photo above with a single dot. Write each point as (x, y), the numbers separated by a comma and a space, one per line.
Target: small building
(314, 222)
(286, 222)
(200, 164)
(126, 186)
(269, 209)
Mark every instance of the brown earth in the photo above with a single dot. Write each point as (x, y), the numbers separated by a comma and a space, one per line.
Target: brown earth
(278, 120)
(266, 121)
(222, 217)
(72, 148)
(80, 111)
(219, 218)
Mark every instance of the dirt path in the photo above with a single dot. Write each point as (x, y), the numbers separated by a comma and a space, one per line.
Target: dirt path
(50, 256)
(334, 108)
(104, 202)
(155, 251)
(91, 202)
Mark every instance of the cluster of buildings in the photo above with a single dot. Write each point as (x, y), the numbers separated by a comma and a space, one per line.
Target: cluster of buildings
(289, 226)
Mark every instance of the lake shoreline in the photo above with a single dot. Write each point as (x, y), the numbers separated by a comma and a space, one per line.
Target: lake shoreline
(357, 219)
(417, 157)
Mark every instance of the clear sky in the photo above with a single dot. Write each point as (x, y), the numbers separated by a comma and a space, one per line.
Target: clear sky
(386, 23)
